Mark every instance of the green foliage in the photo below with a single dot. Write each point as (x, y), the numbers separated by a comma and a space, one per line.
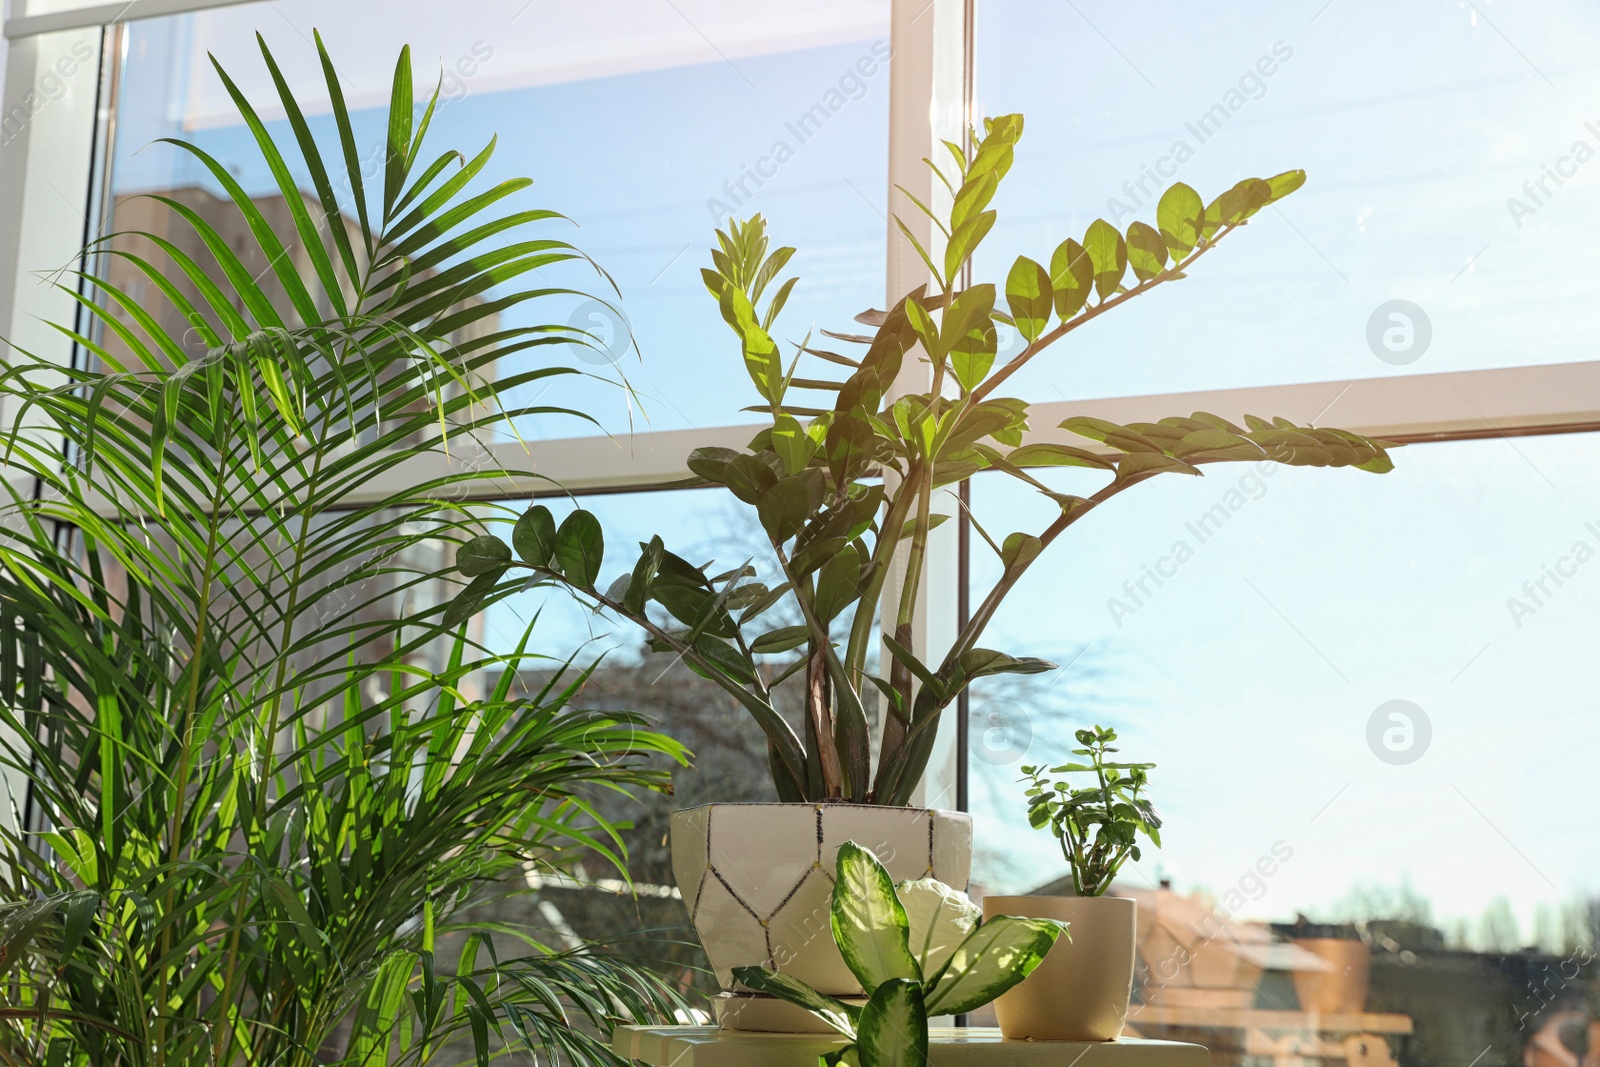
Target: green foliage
(265, 797)
(844, 479)
(919, 949)
(1098, 826)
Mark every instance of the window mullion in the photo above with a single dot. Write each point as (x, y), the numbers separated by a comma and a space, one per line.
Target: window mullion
(927, 105)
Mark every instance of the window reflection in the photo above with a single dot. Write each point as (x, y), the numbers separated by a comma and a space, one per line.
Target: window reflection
(645, 124)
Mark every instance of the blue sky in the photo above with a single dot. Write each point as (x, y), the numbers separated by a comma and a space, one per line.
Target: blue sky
(1251, 674)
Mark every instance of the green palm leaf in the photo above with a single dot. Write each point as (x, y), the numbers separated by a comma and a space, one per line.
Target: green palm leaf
(267, 796)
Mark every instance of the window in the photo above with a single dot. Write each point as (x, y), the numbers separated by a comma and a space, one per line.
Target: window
(1365, 684)
(645, 126)
(1445, 151)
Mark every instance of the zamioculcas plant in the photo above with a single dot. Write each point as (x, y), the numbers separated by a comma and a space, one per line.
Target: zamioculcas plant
(918, 949)
(1099, 826)
(843, 480)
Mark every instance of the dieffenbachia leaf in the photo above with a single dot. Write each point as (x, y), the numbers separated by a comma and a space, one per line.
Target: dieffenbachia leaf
(993, 958)
(869, 922)
(940, 918)
(894, 1027)
(836, 1013)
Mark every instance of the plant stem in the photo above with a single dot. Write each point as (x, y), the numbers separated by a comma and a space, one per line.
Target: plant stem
(897, 733)
(186, 744)
(224, 1033)
(779, 733)
(991, 603)
(861, 627)
(820, 714)
(818, 711)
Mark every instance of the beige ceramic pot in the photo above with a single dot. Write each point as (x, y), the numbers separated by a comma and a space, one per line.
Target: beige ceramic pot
(758, 882)
(1081, 990)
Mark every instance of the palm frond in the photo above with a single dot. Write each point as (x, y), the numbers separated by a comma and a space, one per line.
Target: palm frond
(259, 786)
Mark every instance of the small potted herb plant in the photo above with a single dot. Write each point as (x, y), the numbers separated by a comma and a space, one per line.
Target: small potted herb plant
(1081, 992)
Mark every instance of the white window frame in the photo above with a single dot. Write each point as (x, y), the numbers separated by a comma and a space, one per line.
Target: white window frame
(50, 158)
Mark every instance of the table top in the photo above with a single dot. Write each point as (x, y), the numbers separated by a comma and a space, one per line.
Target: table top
(707, 1046)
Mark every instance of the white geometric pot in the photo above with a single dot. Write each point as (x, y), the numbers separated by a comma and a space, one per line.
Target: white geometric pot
(758, 879)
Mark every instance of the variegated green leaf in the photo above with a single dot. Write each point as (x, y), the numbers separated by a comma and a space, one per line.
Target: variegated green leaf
(869, 922)
(894, 1027)
(836, 1013)
(995, 957)
(940, 918)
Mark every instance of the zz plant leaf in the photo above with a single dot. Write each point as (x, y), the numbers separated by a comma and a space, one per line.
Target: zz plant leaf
(534, 536)
(482, 555)
(579, 546)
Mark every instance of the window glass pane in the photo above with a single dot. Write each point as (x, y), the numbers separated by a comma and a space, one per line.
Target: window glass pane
(1447, 146)
(700, 525)
(730, 754)
(1370, 705)
(644, 123)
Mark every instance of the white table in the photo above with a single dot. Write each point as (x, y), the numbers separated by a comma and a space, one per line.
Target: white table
(707, 1046)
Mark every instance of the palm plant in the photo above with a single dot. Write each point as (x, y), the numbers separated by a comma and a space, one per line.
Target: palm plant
(259, 796)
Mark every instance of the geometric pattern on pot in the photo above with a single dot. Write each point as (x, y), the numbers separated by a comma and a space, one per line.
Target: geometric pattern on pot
(758, 878)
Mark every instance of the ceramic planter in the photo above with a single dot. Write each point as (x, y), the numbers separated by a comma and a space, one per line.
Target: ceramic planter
(1081, 990)
(758, 881)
